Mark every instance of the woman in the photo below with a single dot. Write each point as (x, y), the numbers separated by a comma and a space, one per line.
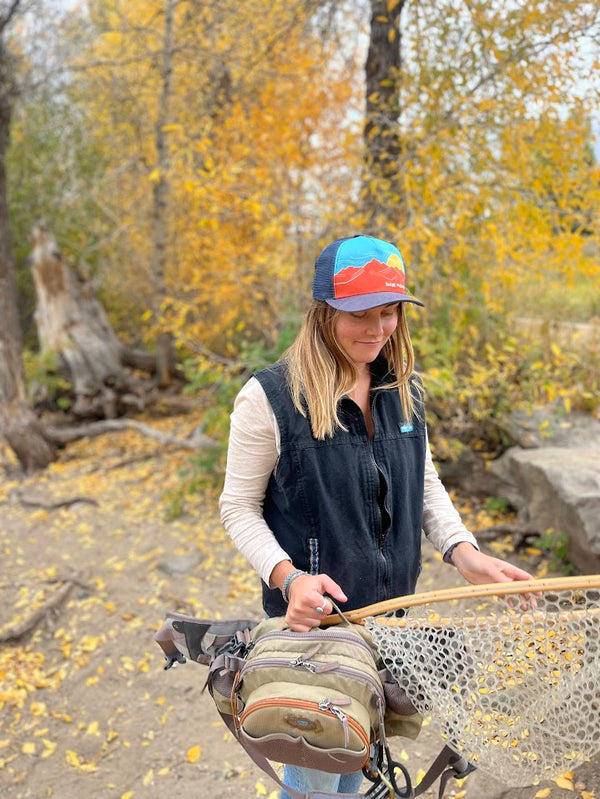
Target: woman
(330, 480)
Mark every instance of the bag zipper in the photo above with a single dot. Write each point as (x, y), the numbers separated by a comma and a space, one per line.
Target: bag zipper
(335, 635)
(324, 706)
(348, 671)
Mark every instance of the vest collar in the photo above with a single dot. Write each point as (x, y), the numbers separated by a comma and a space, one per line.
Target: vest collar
(380, 372)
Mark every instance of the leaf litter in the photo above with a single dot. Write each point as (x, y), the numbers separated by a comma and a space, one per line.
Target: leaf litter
(85, 706)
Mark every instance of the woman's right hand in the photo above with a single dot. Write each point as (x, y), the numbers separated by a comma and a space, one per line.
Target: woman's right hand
(306, 594)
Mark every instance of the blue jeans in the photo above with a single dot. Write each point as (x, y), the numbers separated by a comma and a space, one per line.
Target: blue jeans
(309, 779)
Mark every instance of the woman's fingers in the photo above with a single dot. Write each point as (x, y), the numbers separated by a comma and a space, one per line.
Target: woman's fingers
(308, 605)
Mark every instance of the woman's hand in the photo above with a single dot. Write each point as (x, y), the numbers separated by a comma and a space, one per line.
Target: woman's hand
(478, 568)
(305, 596)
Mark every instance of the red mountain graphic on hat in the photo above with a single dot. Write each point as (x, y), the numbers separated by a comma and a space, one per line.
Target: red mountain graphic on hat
(372, 277)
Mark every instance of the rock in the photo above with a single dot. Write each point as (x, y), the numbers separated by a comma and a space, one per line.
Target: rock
(550, 426)
(176, 565)
(557, 488)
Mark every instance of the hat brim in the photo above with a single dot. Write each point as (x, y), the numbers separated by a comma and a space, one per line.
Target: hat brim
(363, 302)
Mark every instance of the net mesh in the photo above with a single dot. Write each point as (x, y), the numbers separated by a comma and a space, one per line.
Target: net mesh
(514, 685)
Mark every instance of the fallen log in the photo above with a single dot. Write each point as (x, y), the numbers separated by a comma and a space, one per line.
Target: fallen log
(15, 631)
(196, 440)
(39, 502)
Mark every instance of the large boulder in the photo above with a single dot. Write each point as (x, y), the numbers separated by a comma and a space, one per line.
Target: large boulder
(553, 481)
(555, 488)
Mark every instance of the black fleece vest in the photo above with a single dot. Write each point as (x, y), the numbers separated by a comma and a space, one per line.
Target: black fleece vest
(348, 506)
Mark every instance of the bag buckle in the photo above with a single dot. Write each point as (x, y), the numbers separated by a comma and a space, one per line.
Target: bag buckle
(176, 657)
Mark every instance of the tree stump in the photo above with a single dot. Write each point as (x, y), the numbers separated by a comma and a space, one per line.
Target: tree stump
(72, 323)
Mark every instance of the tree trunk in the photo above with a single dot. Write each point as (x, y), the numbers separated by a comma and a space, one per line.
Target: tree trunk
(160, 224)
(18, 424)
(382, 190)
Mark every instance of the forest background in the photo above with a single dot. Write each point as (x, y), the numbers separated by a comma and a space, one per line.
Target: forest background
(192, 158)
(200, 155)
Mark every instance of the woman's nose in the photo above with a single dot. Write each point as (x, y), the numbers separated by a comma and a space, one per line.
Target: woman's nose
(375, 324)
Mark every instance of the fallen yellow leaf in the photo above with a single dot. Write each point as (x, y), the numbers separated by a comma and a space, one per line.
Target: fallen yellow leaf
(543, 793)
(72, 758)
(193, 754)
(564, 782)
(50, 746)
(148, 778)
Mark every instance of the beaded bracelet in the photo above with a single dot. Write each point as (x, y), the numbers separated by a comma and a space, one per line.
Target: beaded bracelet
(287, 583)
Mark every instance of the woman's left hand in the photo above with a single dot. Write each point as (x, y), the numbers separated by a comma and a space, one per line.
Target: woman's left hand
(478, 568)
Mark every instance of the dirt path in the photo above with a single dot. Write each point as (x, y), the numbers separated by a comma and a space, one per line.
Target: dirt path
(85, 707)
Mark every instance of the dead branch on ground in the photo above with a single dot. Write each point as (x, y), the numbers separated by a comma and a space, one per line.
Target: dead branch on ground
(13, 632)
(194, 441)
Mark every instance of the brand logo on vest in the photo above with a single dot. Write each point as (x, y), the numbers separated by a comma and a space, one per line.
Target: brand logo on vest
(406, 428)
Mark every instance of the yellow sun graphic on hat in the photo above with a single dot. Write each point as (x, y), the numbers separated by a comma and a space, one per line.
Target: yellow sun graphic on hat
(395, 261)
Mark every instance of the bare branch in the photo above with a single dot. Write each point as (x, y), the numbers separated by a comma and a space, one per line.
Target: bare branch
(10, 13)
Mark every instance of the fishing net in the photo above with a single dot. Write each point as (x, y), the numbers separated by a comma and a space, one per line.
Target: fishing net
(513, 681)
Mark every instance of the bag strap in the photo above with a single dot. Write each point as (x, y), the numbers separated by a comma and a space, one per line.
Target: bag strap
(447, 764)
(203, 641)
(261, 761)
(457, 768)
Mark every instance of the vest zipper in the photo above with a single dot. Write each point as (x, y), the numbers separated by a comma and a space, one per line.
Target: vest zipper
(381, 505)
(374, 465)
(378, 474)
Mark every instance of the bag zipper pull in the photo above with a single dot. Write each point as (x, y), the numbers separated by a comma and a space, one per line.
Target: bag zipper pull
(303, 661)
(328, 706)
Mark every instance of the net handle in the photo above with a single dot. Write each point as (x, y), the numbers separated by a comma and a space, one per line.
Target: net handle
(466, 592)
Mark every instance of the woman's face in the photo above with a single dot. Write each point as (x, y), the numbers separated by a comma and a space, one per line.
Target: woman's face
(362, 334)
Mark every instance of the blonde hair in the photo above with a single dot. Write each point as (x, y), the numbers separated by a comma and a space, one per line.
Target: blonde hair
(320, 373)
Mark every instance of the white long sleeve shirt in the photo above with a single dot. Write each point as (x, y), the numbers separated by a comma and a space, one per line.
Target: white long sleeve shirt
(251, 459)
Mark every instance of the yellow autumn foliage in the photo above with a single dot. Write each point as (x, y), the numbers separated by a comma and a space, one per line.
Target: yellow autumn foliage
(245, 106)
(233, 141)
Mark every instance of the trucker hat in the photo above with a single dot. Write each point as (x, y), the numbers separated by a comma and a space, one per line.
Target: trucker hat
(360, 272)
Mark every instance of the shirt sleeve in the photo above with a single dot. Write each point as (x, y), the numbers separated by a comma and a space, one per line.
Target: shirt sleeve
(442, 524)
(252, 455)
